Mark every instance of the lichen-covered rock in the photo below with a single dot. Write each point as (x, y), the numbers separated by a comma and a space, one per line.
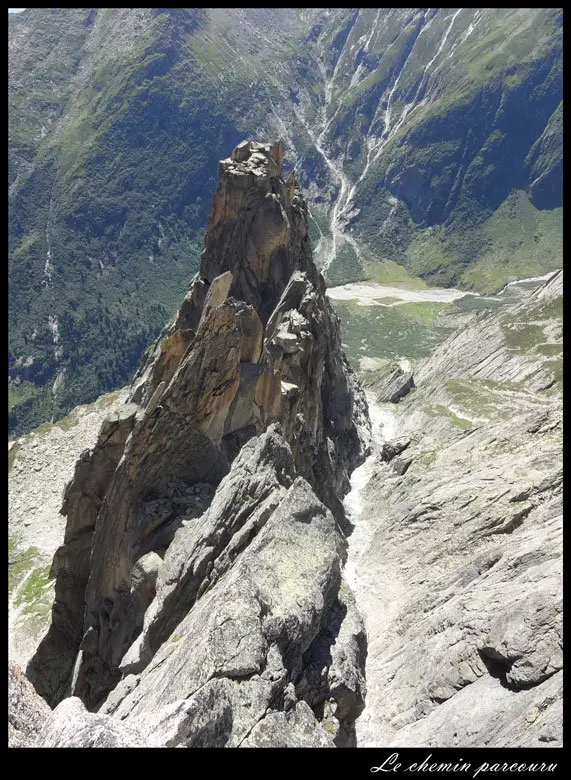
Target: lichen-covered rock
(401, 465)
(297, 728)
(71, 725)
(265, 571)
(491, 348)
(246, 636)
(333, 666)
(460, 577)
(390, 449)
(202, 551)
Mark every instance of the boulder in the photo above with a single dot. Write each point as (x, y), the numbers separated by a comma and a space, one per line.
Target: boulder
(390, 449)
(396, 386)
(401, 465)
(72, 726)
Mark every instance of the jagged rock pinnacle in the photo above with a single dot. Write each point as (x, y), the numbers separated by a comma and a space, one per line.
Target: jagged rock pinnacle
(246, 393)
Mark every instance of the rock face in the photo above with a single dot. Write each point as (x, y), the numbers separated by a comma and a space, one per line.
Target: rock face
(82, 501)
(245, 407)
(499, 348)
(40, 465)
(390, 449)
(27, 712)
(394, 387)
(461, 578)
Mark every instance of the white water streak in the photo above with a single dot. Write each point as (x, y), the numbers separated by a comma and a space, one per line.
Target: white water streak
(373, 30)
(337, 233)
(388, 132)
(411, 107)
(49, 266)
(471, 27)
(384, 426)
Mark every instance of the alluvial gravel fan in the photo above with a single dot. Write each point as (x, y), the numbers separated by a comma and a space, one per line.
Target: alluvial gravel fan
(198, 592)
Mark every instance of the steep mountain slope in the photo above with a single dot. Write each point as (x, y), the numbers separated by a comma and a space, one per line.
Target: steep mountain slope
(199, 580)
(40, 465)
(457, 557)
(405, 126)
(422, 124)
(111, 176)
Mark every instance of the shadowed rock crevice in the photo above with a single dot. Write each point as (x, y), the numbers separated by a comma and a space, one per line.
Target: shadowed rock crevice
(498, 667)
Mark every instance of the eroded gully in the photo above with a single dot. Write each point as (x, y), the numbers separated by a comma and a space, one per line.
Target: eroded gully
(378, 599)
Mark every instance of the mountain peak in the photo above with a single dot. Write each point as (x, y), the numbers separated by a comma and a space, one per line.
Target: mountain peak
(254, 348)
(257, 228)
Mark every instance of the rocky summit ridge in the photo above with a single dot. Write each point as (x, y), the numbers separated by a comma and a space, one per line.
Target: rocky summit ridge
(198, 591)
(205, 591)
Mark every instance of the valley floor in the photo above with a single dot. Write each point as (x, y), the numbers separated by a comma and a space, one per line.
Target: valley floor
(367, 293)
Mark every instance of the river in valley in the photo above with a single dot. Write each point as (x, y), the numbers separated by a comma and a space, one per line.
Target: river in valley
(387, 322)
